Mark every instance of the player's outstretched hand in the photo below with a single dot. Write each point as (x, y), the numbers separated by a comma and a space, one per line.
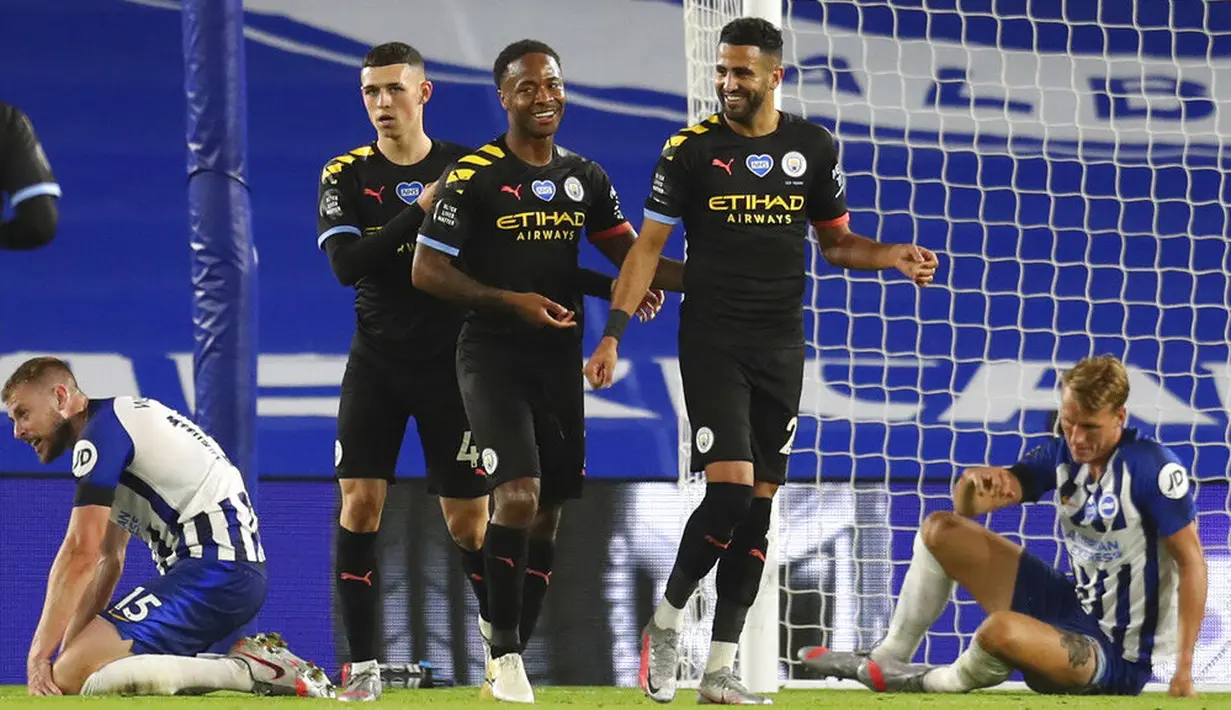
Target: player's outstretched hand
(600, 368)
(542, 311)
(651, 305)
(40, 681)
(427, 197)
(995, 483)
(1182, 686)
(919, 264)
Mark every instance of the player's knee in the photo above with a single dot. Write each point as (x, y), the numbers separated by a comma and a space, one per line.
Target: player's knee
(467, 526)
(546, 522)
(362, 504)
(516, 503)
(938, 527)
(999, 635)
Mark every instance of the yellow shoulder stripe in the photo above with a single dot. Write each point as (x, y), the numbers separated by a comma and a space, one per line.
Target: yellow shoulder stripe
(335, 165)
(481, 158)
(684, 134)
(459, 175)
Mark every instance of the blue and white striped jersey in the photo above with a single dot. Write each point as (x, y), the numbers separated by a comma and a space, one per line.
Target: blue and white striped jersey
(167, 482)
(1113, 529)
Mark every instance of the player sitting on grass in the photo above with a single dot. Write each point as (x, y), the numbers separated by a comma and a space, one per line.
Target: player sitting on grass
(143, 469)
(1128, 516)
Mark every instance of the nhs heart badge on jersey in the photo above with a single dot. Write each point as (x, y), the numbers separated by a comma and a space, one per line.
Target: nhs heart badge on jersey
(759, 165)
(409, 191)
(543, 189)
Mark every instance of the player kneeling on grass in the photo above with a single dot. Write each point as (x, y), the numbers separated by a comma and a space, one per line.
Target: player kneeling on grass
(143, 469)
(1128, 517)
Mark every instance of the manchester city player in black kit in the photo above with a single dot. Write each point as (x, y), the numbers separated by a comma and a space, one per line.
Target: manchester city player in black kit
(25, 176)
(401, 364)
(746, 184)
(371, 204)
(512, 212)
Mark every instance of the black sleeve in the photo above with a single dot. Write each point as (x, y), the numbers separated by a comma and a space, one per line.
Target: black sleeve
(33, 225)
(447, 229)
(352, 254)
(352, 257)
(594, 283)
(668, 191)
(25, 175)
(91, 494)
(827, 196)
(604, 217)
(24, 169)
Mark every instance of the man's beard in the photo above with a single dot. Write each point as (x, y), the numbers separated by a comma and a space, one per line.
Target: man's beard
(59, 441)
(752, 104)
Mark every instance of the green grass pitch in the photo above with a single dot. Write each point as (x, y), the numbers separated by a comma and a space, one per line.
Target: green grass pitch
(14, 697)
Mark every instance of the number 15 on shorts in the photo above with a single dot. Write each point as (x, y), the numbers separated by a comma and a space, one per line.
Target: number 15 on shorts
(135, 607)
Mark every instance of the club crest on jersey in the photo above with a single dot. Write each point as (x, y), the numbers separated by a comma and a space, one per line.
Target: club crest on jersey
(759, 165)
(572, 188)
(543, 189)
(1108, 505)
(409, 191)
(490, 461)
(705, 439)
(794, 164)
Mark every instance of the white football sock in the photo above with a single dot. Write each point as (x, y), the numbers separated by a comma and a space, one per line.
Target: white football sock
(972, 670)
(722, 655)
(357, 667)
(168, 675)
(925, 592)
(668, 617)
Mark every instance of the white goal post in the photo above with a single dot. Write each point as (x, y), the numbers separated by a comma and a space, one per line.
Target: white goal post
(1070, 171)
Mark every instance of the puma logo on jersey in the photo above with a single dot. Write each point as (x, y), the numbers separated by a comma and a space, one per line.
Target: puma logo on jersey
(725, 166)
(514, 191)
(378, 194)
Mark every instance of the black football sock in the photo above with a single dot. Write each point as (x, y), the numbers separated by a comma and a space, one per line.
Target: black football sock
(739, 572)
(505, 552)
(538, 577)
(706, 536)
(476, 571)
(356, 562)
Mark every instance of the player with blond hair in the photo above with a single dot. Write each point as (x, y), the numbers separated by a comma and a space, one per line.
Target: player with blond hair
(1128, 518)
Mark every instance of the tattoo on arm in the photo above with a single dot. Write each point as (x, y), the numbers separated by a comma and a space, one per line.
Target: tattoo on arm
(1078, 647)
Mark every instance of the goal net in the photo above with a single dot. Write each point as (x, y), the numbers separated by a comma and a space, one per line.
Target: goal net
(1067, 167)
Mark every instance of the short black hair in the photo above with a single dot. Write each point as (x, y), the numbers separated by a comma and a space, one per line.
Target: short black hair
(382, 55)
(516, 51)
(753, 32)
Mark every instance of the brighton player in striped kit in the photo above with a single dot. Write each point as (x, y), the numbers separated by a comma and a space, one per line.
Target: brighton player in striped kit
(145, 470)
(1128, 519)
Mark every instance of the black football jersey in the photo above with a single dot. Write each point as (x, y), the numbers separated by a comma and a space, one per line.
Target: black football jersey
(24, 170)
(360, 191)
(746, 204)
(516, 226)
